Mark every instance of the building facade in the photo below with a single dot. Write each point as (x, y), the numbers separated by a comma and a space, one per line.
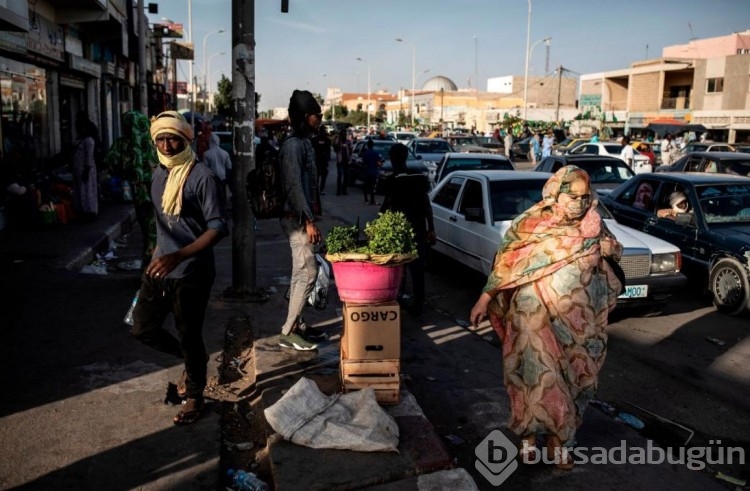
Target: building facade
(59, 58)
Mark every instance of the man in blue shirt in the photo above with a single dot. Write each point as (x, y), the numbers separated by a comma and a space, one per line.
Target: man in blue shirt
(189, 202)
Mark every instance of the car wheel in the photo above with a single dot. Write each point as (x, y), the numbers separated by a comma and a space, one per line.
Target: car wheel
(729, 285)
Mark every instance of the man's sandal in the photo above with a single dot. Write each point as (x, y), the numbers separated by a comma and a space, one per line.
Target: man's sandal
(182, 385)
(190, 412)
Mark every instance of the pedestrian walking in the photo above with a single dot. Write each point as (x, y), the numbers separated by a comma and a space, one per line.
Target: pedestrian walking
(190, 220)
(408, 192)
(508, 143)
(548, 297)
(85, 187)
(133, 157)
(547, 143)
(218, 160)
(343, 156)
(322, 146)
(299, 176)
(372, 161)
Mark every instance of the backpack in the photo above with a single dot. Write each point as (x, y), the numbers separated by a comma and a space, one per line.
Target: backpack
(265, 188)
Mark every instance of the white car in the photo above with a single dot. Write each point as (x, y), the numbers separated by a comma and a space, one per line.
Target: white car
(641, 164)
(453, 161)
(403, 136)
(472, 210)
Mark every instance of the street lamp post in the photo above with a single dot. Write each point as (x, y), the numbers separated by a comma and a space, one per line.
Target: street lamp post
(526, 73)
(205, 85)
(368, 93)
(476, 64)
(526, 77)
(205, 38)
(413, 76)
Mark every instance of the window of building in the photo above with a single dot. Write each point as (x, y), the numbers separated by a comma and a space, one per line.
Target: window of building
(743, 51)
(715, 85)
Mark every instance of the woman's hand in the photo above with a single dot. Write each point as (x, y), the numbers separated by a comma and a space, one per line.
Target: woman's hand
(610, 247)
(479, 310)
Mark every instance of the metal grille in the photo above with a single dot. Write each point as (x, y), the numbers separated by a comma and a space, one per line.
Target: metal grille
(636, 266)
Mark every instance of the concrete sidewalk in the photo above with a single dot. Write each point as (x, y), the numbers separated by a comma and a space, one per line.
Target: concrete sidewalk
(421, 451)
(423, 462)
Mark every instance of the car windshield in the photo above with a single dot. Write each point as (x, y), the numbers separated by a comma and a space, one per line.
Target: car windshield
(463, 141)
(510, 198)
(487, 140)
(383, 147)
(725, 203)
(477, 163)
(436, 146)
(609, 172)
(614, 148)
(738, 167)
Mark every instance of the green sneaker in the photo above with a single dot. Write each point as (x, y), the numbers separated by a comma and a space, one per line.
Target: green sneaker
(297, 342)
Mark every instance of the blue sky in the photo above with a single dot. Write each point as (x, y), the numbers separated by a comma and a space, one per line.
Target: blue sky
(317, 43)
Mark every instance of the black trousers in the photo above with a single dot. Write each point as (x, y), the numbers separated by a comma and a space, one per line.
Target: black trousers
(186, 298)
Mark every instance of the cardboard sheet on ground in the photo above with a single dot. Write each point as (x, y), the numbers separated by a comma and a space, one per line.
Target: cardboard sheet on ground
(353, 421)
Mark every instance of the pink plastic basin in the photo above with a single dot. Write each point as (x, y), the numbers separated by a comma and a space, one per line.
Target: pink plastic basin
(362, 282)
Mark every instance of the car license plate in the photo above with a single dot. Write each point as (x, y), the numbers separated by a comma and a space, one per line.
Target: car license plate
(635, 291)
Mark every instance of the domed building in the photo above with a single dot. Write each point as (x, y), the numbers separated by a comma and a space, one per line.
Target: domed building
(436, 84)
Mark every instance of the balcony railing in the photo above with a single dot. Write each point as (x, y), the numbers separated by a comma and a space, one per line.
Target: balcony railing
(675, 103)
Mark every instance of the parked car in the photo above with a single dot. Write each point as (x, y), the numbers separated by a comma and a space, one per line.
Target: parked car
(707, 147)
(473, 209)
(568, 144)
(453, 161)
(403, 136)
(613, 149)
(430, 150)
(466, 143)
(721, 162)
(491, 143)
(521, 148)
(648, 149)
(357, 164)
(606, 173)
(714, 236)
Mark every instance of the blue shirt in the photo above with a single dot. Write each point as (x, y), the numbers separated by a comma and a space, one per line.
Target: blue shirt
(203, 208)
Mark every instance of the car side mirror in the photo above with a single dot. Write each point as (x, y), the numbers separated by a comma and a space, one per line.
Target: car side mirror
(684, 218)
(474, 215)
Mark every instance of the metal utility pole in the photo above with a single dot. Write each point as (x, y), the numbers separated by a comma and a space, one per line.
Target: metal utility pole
(243, 135)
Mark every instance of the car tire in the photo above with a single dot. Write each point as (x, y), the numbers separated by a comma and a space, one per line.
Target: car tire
(728, 283)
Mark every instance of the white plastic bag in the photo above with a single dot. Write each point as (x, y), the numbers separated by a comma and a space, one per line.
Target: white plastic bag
(319, 296)
(353, 421)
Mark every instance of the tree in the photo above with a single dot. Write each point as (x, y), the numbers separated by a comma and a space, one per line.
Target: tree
(223, 97)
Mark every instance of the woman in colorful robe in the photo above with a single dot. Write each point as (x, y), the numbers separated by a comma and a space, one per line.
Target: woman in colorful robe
(548, 297)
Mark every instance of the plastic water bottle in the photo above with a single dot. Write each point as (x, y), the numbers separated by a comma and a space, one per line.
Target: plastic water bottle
(127, 194)
(129, 316)
(246, 481)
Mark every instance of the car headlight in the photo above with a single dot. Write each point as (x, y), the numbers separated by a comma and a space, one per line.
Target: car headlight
(666, 263)
(431, 166)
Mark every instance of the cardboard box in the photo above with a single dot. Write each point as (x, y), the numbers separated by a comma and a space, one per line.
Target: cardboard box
(371, 332)
(380, 375)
